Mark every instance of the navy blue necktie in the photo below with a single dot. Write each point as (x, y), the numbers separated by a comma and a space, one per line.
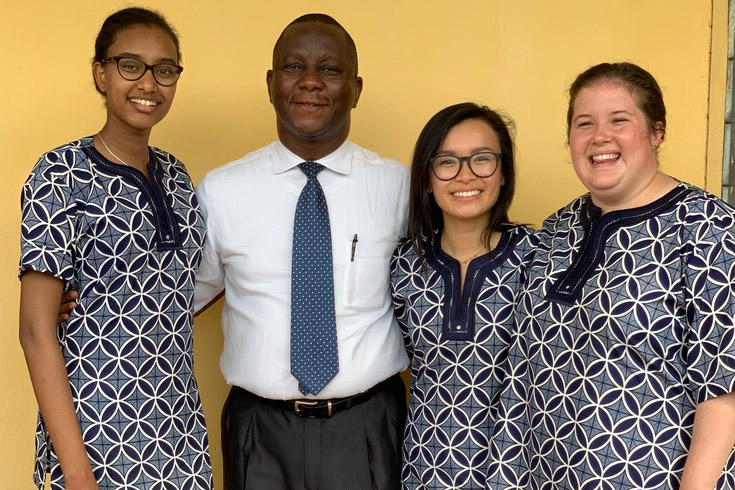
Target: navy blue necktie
(314, 360)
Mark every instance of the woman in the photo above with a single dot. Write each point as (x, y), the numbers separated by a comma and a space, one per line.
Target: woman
(624, 369)
(118, 221)
(454, 288)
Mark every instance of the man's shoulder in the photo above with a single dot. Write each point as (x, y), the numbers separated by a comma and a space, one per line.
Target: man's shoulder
(372, 161)
(250, 162)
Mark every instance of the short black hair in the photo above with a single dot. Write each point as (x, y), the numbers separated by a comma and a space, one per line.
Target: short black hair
(424, 215)
(323, 19)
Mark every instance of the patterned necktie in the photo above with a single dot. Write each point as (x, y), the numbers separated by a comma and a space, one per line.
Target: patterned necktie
(314, 360)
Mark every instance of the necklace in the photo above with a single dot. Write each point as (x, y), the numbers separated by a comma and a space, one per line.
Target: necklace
(111, 153)
(481, 250)
(466, 261)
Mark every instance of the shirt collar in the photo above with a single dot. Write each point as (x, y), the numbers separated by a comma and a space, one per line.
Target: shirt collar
(338, 161)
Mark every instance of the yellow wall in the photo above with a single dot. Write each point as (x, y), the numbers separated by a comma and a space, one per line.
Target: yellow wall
(416, 56)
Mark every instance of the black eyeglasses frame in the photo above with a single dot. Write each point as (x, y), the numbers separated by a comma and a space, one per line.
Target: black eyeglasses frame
(467, 159)
(117, 59)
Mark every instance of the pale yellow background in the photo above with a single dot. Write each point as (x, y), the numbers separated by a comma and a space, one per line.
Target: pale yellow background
(416, 56)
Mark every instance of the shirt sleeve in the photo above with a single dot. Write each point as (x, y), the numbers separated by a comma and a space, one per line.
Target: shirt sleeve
(48, 213)
(709, 285)
(210, 280)
(398, 279)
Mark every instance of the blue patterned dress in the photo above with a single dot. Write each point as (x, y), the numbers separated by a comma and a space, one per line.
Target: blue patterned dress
(459, 341)
(625, 325)
(131, 248)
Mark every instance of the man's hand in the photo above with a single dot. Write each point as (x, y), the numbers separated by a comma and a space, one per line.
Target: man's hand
(68, 303)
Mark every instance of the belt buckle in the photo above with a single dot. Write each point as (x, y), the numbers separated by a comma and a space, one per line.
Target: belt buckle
(297, 404)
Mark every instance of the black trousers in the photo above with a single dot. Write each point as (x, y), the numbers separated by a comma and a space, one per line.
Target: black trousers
(268, 448)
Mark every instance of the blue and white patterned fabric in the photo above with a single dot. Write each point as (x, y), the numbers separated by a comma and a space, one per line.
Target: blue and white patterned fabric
(131, 248)
(459, 340)
(625, 325)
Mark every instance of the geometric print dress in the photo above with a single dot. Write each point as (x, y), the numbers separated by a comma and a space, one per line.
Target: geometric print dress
(625, 325)
(459, 341)
(131, 248)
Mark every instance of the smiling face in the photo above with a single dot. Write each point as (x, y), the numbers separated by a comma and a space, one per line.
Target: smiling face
(613, 148)
(313, 88)
(137, 105)
(467, 197)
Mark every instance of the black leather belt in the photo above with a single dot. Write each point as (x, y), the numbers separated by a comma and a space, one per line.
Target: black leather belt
(320, 409)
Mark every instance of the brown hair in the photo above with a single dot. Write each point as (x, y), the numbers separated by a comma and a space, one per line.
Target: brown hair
(644, 87)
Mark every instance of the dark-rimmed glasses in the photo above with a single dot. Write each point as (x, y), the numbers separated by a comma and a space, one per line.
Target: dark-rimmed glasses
(132, 69)
(482, 164)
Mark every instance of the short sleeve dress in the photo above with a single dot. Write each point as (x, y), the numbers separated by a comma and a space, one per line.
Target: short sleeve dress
(459, 340)
(625, 325)
(131, 247)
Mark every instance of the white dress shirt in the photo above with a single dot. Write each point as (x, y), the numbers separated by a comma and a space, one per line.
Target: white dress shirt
(249, 208)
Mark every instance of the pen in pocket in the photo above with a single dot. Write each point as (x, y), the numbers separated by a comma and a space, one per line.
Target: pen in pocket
(354, 246)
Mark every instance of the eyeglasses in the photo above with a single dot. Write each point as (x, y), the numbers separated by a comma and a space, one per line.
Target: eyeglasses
(483, 164)
(132, 69)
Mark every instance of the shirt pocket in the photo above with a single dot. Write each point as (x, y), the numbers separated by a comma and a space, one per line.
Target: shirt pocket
(367, 275)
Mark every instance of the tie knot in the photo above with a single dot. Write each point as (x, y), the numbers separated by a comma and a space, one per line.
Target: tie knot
(311, 169)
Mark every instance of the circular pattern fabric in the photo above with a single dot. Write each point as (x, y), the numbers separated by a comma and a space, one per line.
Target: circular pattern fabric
(625, 325)
(131, 247)
(459, 340)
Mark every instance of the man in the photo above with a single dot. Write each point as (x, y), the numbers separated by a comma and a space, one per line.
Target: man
(284, 427)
